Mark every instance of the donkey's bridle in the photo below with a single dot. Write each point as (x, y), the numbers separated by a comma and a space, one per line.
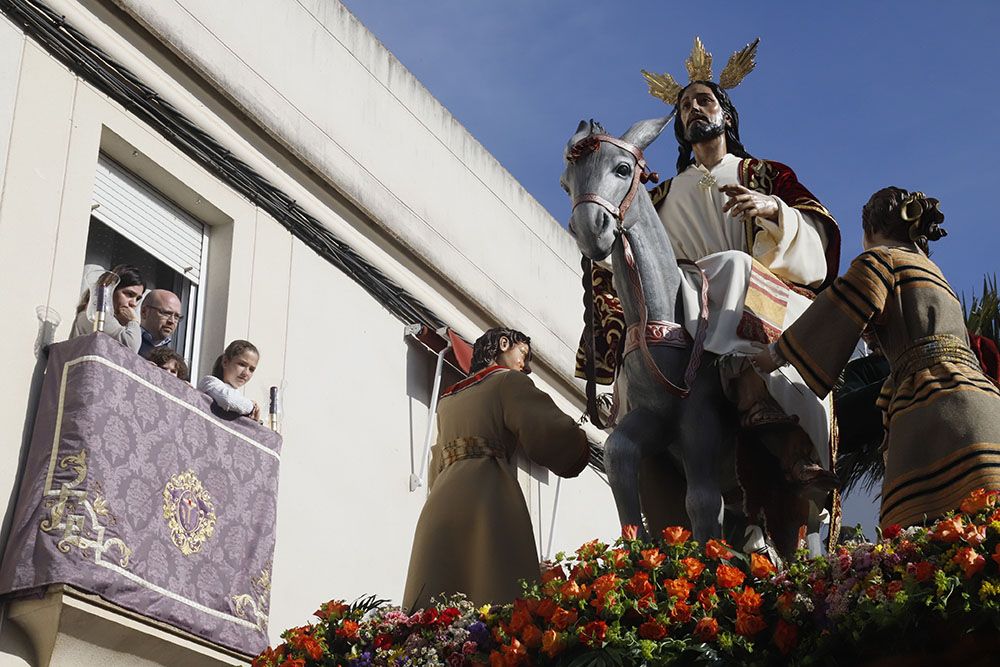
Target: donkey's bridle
(641, 174)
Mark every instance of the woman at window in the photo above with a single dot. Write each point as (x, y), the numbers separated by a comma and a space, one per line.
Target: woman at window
(233, 369)
(124, 326)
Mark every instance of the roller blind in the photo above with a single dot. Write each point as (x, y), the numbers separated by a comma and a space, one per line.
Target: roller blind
(133, 208)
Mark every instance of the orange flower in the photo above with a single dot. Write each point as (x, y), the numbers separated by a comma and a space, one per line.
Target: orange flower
(705, 596)
(619, 558)
(513, 653)
(293, 662)
(970, 561)
(602, 601)
(593, 634)
(651, 559)
(675, 535)
(573, 590)
(692, 566)
(630, 532)
(553, 643)
(978, 500)
(520, 618)
(653, 629)
(562, 619)
(348, 629)
(786, 600)
(716, 549)
(681, 613)
(582, 572)
(552, 573)
(761, 566)
(706, 630)
(545, 608)
(645, 603)
(894, 588)
(591, 549)
(332, 610)
(532, 636)
(748, 624)
(729, 576)
(786, 636)
(948, 530)
(748, 600)
(604, 584)
(639, 585)
(974, 535)
(269, 657)
(678, 588)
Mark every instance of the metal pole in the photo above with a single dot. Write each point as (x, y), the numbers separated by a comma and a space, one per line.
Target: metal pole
(418, 480)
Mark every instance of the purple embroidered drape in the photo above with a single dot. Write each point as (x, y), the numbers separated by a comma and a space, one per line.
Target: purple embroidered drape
(137, 489)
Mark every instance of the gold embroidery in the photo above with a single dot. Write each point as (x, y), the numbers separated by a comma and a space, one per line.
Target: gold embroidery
(708, 181)
(189, 512)
(255, 606)
(472, 447)
(73, 509)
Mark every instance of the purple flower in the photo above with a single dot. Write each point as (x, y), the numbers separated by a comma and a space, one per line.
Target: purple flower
(479, 634)
(365, 660)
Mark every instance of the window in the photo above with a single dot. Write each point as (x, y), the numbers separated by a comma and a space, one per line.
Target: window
(132, 223)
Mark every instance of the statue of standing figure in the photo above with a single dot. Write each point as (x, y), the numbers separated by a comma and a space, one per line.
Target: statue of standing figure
(766, 246)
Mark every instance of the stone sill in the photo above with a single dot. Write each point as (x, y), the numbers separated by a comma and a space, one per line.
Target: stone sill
(70, 628)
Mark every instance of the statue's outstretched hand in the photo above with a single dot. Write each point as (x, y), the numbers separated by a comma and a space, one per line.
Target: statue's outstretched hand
(744, 202)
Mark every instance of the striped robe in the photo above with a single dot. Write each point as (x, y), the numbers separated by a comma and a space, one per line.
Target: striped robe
(942, 417)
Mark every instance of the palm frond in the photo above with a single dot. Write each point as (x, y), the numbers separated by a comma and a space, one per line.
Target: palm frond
(982, 316)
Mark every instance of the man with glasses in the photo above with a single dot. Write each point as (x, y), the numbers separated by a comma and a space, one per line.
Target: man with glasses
(160, 315)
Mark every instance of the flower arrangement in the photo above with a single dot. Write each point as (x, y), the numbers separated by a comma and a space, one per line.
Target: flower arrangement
(674, 601)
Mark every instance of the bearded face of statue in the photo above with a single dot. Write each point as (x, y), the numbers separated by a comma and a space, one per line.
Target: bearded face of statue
(701, 114)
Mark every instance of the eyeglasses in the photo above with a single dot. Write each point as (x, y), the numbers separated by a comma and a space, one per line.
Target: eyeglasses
(170, 315)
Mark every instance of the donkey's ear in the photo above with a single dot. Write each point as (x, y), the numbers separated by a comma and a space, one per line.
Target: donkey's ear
(644, 132)
(581, 127)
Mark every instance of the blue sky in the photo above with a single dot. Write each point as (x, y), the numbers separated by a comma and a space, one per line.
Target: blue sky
(852, 95)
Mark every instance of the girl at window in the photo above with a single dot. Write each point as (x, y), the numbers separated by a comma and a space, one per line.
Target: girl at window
(232, 370)
(124, 326)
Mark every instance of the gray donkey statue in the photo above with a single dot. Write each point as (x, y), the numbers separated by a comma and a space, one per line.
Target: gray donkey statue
(678, 420)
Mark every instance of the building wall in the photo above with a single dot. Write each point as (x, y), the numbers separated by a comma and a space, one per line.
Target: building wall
(356, 392)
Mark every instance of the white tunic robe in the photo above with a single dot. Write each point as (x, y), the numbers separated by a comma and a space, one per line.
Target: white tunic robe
(794, 249)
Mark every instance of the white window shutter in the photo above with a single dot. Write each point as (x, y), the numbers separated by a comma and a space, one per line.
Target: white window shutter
(141, 214)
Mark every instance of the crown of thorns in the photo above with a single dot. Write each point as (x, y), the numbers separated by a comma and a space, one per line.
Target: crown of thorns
(699, 68)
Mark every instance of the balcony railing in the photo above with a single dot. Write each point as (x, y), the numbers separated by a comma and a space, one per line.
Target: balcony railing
(137, 489)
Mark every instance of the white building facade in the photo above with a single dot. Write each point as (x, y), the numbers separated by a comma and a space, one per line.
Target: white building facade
(412, 221)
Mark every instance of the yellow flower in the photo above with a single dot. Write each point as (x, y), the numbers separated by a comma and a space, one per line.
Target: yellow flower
(484, 612)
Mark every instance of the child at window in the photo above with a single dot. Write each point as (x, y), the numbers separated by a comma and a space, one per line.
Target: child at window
(170, 361)
(232, 370)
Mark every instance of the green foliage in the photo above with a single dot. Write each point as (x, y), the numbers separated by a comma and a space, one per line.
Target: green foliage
(982, 317)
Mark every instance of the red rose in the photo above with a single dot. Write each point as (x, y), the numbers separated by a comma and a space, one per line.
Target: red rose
(678, 588)
(729, 576)
(562, 619)
(716, 550)
(761, 566)
(706, 630)
(892, 532)
(639, 585)
(651, 559)
(786, 636)
(532, 636)
(545, 608)
(429, 616)
(970, 561)
(747, 624)
(749, 600)
(705, 596)
(692, 566)
(922, 570)
(382, 641)
(675, 535)
(552, 643)
(653, 629)
(293, 662)
(448, 616)
(681, 613)
(593, 633)
(520, 618)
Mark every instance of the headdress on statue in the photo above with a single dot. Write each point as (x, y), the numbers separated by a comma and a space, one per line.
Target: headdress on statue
(699, 68)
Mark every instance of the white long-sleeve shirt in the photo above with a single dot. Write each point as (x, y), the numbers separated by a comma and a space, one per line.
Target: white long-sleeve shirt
(226, 397)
